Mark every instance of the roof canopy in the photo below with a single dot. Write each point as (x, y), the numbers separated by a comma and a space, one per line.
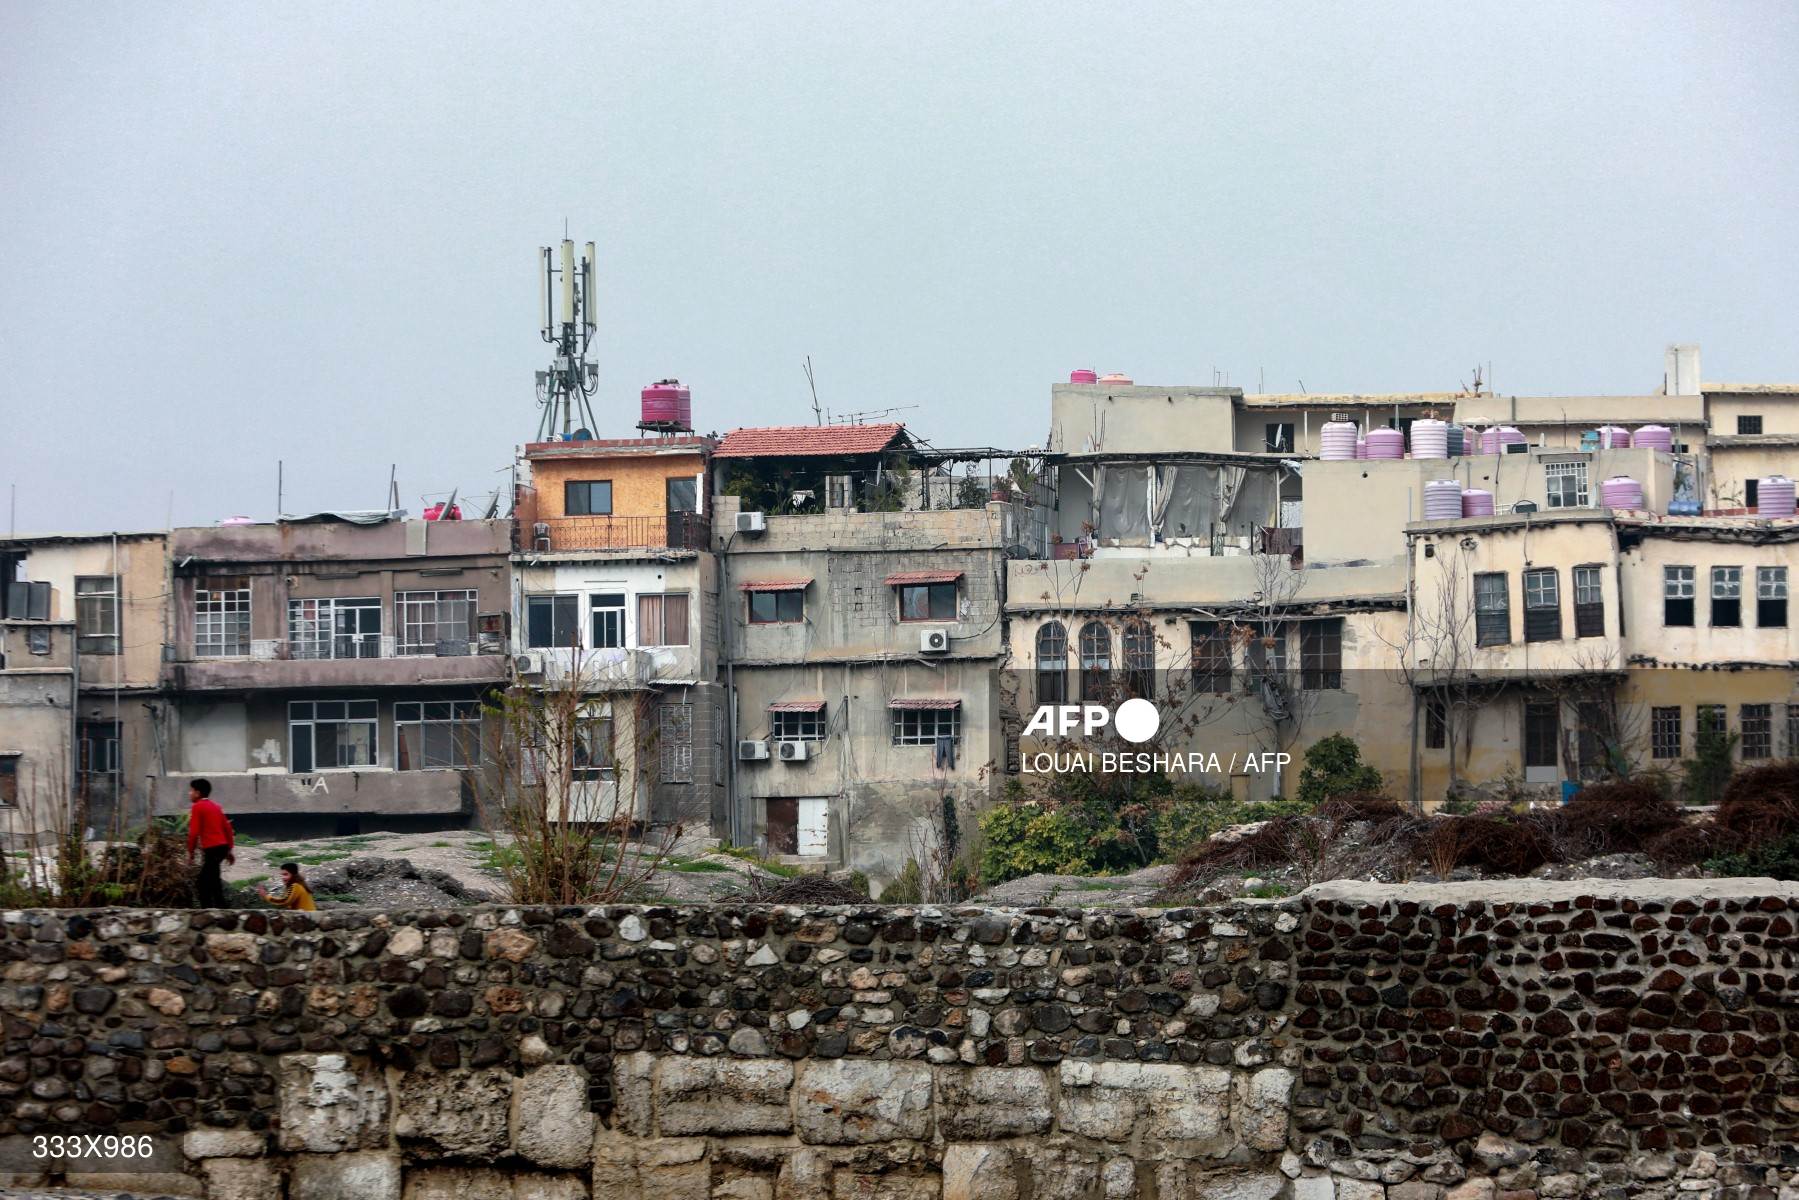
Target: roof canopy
(910, 577)
(784, 441)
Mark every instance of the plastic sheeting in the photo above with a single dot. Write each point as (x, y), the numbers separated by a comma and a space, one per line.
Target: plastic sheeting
(1189, 500)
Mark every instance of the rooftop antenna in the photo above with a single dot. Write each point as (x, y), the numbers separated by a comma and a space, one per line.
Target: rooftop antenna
(818, 417)
(566, 322)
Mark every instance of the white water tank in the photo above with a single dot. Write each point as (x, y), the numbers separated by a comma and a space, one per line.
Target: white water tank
(1621, 491)
(1613, 437)
(1430, 438)
(1477, 502)
(1442, 499)
(1386, 443)
(1774, 496)
(1654, 437)
(1114, 380)
(1336, 441)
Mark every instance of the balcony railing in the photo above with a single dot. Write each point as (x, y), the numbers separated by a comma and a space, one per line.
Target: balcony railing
(662, 531)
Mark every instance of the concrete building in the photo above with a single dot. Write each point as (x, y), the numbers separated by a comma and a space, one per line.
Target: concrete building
(110, 590)
(862, 639)
(616, 597)
(328, 673)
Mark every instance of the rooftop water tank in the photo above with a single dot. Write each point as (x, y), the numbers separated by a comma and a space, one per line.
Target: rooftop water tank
(1386, 443)
(1361, 447)
(1477, 502)
(1621, 491)
(1430, 438)
(1115, 380)
(1613, 437)
(238, 521)
(667, 406)
(1458, 441)
(1083, 375)
(1496, 439)
(1337, 441)
(1442, 499)
(1774, 496)
(1655, 437)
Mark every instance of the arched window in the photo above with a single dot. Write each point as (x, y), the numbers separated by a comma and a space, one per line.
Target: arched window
(1052, 664)
(1140, 658)
(1096, 662)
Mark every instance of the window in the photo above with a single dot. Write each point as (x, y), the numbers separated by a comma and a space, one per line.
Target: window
(662, 619)
(1793, 731)
(1140, 658)
(777, 608)
(551, 621)
(1758, 730)
(1677, 596)
(1321, 654)
(1278, 438)
(675, 741)
(429, 735)
(97, 614)
(9, 781)
(587, 498)
(1752, 493)
(683, 494)
(591, 758)
(1268, 650)
(1052, 664)
(1710, 718)
(1749, 423)
(1542, 730)
(1542, 606)
(1771, 598)
(334, 628)
(1436, 722)
(1566, 483)
(606, 612)
(1492, 610)
(99, 748)
(38, 640)
(1664, 732)
(1727, 596)
(323, 734)
(1589, 602)
(1096, 661)
(222, 618)
(927, 602)
(797, 723)
(918, 726)
(1211, 657)
(437, 623)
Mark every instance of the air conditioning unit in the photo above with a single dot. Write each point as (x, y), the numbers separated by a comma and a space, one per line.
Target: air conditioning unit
(795, 751)
(933, 641)
(750, 750)
(529, 663)
(752, 522)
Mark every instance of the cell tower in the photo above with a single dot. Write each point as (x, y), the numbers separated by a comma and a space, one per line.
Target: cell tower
(568, 325)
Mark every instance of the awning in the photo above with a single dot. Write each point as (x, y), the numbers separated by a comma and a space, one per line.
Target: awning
(907, 577)
(931, 702)
(798, 706)
(776, 585)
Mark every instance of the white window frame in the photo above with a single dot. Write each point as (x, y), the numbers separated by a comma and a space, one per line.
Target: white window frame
(1727, 583)
(617, 618)
(923, 726)
(1678, 583)
(462, 718)
(418, 613)
(97, 596)
(1770, 583)
(365, 712)
(1555, 476)
(793, 725)
(222, 619)
(314, 634)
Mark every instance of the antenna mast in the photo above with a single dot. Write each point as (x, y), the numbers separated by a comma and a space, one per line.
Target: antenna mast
(566, 323)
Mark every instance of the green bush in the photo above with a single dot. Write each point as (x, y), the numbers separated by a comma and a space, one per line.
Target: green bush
(1334, 767)
(907, 887)
(1027, 839)
(1777, 860)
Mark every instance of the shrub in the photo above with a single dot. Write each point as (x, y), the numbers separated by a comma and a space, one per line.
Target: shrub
(1028, 839)
(1776, 860)
(1612, 818)
(907, 887)
(1489, 843)
(1760, 806)
(1708, 771)
(1334, 767)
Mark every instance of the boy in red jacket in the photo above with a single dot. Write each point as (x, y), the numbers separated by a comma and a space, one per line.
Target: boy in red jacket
(208, 830)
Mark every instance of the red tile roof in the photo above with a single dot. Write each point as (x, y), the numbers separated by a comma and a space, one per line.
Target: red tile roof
(906, 577)
(926, 702)
(803, 706)
(776, 585)
(780, 441)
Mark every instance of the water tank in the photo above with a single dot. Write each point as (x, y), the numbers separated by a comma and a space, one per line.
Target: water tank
(1115, 380)
(1337, 441)
(1442, 499)
(667, 405)
(1386, 443)
(1430, 438)
(1477, 502)
(1621, 491)
(435, 512)
(1613, 437)
(1361, 447)
(1774, 496)
(1083, 375)
(1496, 439)
(1458, 441)
(1655, 437)
(238, 521)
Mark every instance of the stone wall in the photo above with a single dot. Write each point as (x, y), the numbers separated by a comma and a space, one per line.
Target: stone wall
(1345, 1045)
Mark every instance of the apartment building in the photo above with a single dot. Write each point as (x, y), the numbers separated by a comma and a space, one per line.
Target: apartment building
(328, 673)
(615, 597)
(88, 611)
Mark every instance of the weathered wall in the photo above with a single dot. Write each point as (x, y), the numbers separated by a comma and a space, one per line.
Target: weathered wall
(1362, 1044)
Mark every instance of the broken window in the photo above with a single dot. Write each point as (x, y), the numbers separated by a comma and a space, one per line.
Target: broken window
(662, 619)
(551, 621)
(591, 757)
(1589, 602)
(99, 748)
(1770, 597)
(1492, 609)
(429, 735)
(435, 622)
(327, 734)
(1727, 597)
(222, 617)
(97, 614)
(1677, 596)
(334, 628)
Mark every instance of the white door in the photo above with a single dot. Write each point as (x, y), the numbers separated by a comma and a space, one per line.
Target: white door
(814, 825)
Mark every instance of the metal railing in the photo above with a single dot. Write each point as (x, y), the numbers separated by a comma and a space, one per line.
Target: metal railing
(670, 531)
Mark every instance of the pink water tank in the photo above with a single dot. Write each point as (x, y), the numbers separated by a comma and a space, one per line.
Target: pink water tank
(1361, 447)
(1116, 380)
(1083, 375)
(1614, 437)
(1621, 491)
(1442, 499)
(1774, 496)
(1477, 502)
(1386, 443)
(667, 406)
(1337, 441)
(238, 521)
(1654, 437)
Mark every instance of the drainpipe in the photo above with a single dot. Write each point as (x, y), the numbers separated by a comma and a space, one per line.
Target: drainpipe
(1415, 785)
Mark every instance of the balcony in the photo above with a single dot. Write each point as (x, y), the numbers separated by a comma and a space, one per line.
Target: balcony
(661, 531)
(371, 790)
(261, 674)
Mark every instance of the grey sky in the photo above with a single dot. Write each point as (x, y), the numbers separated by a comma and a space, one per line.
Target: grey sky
(235, 234)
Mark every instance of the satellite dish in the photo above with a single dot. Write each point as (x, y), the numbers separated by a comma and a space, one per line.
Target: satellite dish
(581, 435)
